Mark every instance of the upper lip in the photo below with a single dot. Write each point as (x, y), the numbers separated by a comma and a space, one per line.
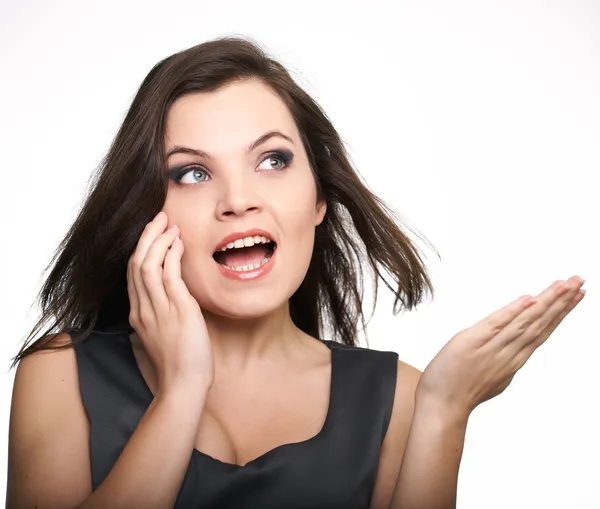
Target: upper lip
(240, 235)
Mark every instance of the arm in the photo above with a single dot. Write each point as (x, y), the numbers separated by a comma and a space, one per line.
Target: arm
(152, 466)
(476, 365)
(392, 448)
(429, 471)
(49, 464)
(426, 468)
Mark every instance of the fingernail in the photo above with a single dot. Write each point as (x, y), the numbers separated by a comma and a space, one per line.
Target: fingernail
(160, 215)
(578, 282)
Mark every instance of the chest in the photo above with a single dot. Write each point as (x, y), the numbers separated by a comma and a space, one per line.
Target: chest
(244, 419)
(240, 424)
(315, 433)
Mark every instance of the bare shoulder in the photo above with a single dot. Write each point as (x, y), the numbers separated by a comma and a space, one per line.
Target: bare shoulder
(48, 455)
(393, 446)
(404, 403)
(406, 383)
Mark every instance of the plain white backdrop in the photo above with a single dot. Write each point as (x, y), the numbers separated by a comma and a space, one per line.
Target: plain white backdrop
(479, 122)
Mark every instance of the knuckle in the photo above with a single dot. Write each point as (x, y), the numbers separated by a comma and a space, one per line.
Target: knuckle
(522, 327)
(136, 262)
(539, 328)
(494, 326)
(146, 316)
(147, 271)
(133, 318)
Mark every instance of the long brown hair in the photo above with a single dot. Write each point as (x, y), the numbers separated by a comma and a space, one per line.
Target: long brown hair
(88, 281)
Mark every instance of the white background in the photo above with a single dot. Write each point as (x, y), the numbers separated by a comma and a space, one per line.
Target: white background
(479, 122)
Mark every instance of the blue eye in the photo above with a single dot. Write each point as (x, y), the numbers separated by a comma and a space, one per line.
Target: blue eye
(177, 174)
(284, 158)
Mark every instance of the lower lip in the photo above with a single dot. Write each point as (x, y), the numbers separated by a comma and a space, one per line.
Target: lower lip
(248, 274)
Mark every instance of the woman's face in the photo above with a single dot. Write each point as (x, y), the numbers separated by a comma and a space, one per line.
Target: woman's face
(230, 190)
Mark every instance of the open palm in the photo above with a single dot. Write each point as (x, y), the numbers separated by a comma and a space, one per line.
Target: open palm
(480, 362)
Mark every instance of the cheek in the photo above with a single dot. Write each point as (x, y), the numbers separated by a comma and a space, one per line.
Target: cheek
(297, 202)
(289, 208)
(298, 233)
(188, 213)
(191, 215)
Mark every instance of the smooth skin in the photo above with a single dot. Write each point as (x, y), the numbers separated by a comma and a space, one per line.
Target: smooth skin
(480, 362)
(164, 314)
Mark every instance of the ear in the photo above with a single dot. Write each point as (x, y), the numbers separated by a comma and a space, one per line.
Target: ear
(321, 210)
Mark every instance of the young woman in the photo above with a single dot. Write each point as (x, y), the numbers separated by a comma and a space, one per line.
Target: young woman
(190, 369)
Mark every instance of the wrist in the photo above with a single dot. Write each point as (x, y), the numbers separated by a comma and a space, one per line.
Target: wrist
(441, 410)
(184, 387)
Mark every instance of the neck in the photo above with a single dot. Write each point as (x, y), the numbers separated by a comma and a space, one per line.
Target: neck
(244, 342)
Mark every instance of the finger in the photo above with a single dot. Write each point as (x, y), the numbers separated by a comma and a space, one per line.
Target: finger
(521, 323)
(551, 315)
(555, 322)
(519, 360)
(492, 324)
(551, 305)
(134, 303)
(175, 287)
(151, 231)
(152, 271)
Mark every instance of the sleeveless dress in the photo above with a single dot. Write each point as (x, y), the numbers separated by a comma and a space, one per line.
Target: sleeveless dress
(336, 469)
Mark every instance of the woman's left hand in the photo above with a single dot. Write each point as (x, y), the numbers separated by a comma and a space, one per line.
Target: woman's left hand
(478, 363)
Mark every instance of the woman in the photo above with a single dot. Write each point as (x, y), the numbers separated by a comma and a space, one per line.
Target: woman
(189, 370)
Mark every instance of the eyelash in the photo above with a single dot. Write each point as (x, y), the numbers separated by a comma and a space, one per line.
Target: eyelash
(176, 174)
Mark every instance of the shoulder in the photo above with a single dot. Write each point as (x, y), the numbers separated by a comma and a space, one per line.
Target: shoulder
(48, 429)
(48, 365)
(48, 378)
(407, 380)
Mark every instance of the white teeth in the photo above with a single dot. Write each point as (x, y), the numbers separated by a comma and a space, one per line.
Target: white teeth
(245, 268)
(246, 242)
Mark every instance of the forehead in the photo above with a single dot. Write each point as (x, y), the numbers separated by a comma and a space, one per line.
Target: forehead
(227, 119)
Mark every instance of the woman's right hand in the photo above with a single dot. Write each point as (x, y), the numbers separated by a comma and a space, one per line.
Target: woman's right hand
(164, 314)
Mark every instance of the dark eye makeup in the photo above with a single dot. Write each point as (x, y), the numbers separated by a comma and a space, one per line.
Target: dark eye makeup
(177, 173)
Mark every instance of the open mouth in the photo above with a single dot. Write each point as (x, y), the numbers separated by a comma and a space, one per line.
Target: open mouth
(246, 254)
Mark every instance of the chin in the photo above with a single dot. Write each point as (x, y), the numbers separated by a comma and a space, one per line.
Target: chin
(247, 307)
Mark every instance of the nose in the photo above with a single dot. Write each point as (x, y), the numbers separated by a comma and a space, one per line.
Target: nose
(237, 198)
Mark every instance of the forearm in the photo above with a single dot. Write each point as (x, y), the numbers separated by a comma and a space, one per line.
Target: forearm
(428, 475)
(151, 468)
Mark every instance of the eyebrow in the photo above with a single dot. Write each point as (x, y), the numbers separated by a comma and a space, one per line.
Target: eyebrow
(197, 152)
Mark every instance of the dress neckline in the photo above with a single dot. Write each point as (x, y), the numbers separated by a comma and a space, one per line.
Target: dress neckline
(322, 433)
